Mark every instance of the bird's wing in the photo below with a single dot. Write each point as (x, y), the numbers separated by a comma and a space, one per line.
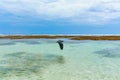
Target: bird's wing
(61, 45)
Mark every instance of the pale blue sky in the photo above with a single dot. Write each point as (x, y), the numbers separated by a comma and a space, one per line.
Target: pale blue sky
(59, 17)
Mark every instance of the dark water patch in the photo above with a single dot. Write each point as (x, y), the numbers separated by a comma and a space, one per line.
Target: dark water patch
(22, 63)
(58, 59)
(7, 43)
(27, 41)
(111, 53)
(77, 41)
(32, 42)
(17, 54)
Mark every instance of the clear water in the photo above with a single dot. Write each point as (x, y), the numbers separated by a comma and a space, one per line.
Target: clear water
(41, 59)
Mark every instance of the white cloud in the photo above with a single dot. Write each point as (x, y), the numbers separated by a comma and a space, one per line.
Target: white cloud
(94, 11)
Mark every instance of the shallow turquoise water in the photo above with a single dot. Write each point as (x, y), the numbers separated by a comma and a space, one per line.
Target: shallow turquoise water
(41, 59)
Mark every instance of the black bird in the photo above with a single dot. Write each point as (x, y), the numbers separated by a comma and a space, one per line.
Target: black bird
(60, 42)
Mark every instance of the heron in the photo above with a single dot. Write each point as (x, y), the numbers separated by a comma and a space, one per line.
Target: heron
(60, 42)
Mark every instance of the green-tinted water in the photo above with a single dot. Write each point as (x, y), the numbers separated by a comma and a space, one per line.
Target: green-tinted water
(41, 59)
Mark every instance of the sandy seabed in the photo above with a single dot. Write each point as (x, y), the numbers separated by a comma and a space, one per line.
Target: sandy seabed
(26, 58)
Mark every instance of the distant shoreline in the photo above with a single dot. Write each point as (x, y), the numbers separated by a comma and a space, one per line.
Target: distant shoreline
(61, 36)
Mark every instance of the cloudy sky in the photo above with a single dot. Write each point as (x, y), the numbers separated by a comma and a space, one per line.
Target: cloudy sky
(60, 16)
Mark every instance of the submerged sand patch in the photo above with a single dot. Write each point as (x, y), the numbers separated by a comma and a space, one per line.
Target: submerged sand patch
(21, 64)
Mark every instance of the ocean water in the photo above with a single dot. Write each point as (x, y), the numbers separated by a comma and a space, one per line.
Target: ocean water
(42, 59)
